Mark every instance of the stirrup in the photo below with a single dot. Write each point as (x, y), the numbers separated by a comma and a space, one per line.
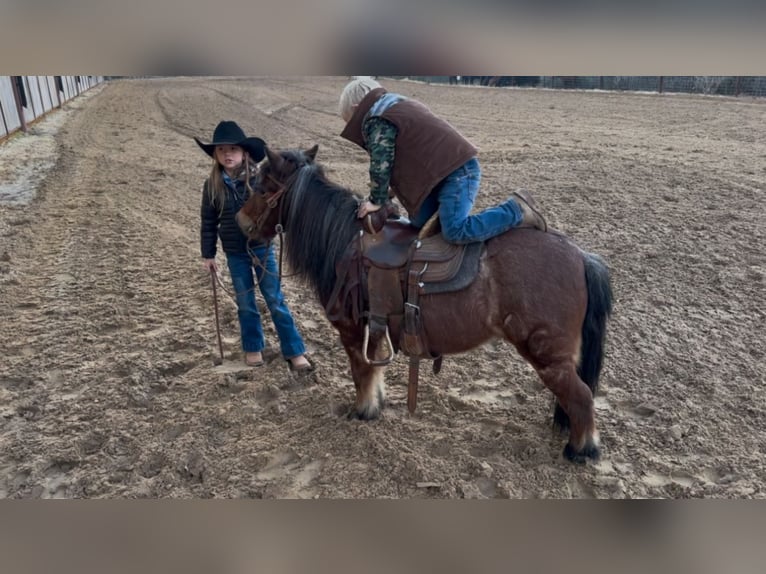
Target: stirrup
(365, 344)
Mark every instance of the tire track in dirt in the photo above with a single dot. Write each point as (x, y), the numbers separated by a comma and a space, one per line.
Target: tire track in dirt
(280, 120)
(271, 124)
(93, 323)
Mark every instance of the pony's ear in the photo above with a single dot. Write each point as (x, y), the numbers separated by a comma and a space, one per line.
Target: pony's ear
(275, 160)
(311, 153)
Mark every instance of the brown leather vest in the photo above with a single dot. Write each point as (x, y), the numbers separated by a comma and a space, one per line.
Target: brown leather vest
(428, 148)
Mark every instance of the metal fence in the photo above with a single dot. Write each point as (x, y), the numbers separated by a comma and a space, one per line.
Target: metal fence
(25, 99)
(709, 85)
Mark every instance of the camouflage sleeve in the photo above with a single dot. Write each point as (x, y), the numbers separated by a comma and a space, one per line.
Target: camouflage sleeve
(380, 136)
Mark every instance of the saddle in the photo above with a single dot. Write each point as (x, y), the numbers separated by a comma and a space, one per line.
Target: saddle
(382, 276)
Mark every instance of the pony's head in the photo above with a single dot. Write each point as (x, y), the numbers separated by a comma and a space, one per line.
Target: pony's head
(264, 214)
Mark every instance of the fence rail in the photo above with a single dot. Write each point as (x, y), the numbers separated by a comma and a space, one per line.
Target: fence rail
(710, 85)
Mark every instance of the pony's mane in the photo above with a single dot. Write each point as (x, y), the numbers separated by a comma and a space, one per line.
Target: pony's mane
(321, 222)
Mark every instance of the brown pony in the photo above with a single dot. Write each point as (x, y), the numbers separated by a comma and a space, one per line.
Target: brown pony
(537, 290)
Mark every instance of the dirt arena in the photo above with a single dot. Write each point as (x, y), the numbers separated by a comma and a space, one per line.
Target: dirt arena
(107, 381)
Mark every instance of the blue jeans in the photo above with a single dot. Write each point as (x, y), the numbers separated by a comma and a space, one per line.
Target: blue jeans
(241, 268)
(453, 198)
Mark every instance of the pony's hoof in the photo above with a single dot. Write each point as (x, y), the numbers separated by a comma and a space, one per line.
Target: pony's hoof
(590, 451)
(367, 414)
(353, 415)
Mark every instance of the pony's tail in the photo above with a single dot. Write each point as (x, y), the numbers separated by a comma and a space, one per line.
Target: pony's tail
(594, 326)
(593, 330)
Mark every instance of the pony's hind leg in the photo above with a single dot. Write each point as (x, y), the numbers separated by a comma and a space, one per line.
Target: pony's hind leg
(554, 359)
(368, 381)
(560, 419)
(575, 401)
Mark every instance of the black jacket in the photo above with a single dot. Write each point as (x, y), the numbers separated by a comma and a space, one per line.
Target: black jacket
(221, 223)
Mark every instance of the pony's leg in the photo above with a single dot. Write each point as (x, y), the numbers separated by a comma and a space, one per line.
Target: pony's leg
(560, 419)
(368, 380)
(553, 356)
(554, 360)
(576, 402)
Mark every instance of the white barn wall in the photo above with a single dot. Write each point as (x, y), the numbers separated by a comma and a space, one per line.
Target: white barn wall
(59, 93)
(42, 84)
(27, 110)
(42, 96)
(55, 97)
(8, 103)
(67, 88)
(33, 96)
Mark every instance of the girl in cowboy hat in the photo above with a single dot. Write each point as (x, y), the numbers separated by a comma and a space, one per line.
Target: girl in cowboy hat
(235, 159)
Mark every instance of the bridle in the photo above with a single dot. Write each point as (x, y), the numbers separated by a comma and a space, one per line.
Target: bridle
(272, 201)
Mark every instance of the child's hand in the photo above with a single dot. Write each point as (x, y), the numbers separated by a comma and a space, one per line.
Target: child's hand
(366, 207)
(208, 264)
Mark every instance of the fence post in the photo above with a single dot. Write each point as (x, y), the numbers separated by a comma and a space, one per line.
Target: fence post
(660, 83)
(738, 86)
(19, 108)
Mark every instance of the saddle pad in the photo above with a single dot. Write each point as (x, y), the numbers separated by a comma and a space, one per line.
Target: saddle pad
(434, 248)
(454, 275)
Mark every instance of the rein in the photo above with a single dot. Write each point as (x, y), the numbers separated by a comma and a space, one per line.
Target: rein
(232, 294)
(256, 263)
(271, 203)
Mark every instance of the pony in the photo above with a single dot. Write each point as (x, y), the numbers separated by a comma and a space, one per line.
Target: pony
(538, 290)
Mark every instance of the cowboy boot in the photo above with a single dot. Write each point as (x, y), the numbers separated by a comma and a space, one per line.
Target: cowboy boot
(531, 217)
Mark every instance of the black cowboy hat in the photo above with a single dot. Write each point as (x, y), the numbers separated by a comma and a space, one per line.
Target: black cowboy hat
(229, 133)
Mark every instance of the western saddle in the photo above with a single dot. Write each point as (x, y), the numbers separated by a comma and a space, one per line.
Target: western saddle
(382, 276)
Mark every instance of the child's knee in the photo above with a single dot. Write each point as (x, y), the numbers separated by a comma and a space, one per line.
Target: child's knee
(245, 300)
(274, 299)
(451, 233)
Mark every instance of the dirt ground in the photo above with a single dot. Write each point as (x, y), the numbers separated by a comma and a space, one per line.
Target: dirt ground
(107, 381)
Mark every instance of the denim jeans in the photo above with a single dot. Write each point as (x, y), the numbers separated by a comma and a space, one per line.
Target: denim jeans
(241, 268)
(453, 198)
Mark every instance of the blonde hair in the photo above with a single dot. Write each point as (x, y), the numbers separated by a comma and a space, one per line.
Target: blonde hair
(217, 189)
(354, 92)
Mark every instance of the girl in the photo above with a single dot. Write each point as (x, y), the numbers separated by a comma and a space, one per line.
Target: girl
(235, 159)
